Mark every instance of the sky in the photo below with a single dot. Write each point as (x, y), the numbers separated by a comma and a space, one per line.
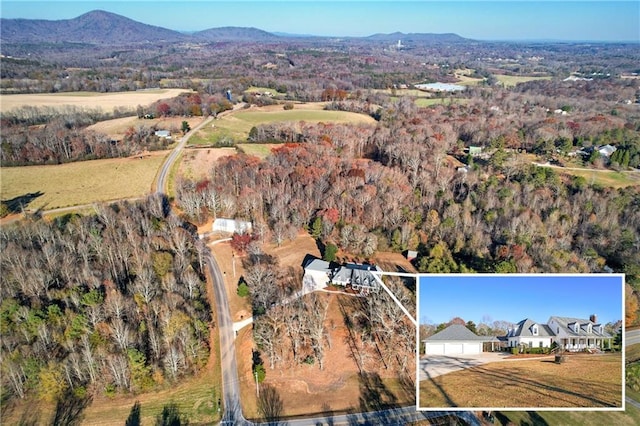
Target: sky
(573, 20)
(516, 297)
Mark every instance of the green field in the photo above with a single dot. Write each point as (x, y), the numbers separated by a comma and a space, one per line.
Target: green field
(258, 89)
(512, 80)
(259, 150)
(82, 182)
(607, 178)
(427, 102)
(235, 127)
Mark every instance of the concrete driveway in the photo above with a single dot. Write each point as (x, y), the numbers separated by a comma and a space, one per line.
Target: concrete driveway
(437, 365)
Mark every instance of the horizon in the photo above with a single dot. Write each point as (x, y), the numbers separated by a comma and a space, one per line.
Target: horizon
(502, 20)
(515, 297)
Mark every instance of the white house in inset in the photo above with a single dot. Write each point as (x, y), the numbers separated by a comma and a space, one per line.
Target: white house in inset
(571, 334)
(530, 334)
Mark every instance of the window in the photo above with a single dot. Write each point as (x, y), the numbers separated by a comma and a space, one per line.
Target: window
(540, 344)
(534, 329)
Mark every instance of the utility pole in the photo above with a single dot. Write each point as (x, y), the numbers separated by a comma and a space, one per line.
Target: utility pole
(233, 262)
(257, 390)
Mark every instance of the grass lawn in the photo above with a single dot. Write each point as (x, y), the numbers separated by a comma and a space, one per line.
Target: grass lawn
(629, 417)
(582, 381)
(259, 150)
(82, 182)
(195, 398)
(236, 126)
(427, 102)
(609, 178)
(257, 89)
(512, 80)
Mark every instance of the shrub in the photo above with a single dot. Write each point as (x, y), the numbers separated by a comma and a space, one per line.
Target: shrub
(288, 106)
(243, 289)
(514, 351)
(261, 373)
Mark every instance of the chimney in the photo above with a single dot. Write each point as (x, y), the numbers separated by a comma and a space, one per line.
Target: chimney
(593, 318)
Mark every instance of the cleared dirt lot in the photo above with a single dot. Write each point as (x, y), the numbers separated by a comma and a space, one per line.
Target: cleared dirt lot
(105, 101)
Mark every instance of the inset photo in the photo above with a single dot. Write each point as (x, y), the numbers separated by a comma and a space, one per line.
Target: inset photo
(500, 342)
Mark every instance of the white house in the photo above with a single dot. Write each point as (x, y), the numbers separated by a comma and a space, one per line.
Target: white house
(454, 340)
(319, 273)
(575, 334)
(571, 334)
(530, 334)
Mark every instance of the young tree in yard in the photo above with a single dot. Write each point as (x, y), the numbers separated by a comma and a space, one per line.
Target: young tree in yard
(185, 127)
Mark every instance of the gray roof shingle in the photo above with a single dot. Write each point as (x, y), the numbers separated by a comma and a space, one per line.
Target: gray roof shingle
(456, 332)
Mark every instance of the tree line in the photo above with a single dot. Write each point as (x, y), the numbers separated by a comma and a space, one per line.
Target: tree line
(108, 303)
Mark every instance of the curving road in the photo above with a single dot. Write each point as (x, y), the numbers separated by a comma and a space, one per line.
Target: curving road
(161, 181)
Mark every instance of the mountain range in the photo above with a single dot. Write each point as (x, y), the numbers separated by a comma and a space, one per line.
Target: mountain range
(105, 28)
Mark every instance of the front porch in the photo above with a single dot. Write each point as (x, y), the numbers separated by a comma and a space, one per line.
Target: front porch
(576, 344)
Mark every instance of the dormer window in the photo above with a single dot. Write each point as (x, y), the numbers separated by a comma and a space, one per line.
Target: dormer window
(589, 328)
(534, 329)
(575, 327)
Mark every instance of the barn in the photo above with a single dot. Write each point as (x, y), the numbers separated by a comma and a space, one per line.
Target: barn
(454, 340)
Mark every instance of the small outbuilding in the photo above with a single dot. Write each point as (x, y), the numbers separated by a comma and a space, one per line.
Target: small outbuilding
(454, 340)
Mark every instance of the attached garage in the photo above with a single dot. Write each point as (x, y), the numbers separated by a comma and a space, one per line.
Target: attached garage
(454, 340)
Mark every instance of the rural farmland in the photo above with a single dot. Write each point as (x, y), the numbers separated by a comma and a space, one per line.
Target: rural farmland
(87, 100)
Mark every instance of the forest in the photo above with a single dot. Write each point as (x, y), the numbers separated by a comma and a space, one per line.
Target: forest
(114, 302)
(102, 304)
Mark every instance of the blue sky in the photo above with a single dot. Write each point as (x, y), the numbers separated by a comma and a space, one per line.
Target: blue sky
(477, 19)
(516, 297)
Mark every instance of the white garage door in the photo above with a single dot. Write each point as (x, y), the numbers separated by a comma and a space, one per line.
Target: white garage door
(453, 348)
(471, 348)
(435, 349)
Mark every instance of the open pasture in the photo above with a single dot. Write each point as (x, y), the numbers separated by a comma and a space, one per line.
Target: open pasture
(117, 127)
(80, 183)
(512, 80)
(91, 100)
(235, 127)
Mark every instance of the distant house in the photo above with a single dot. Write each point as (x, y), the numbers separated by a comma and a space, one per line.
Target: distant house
(571, 334)
(318, 274)
(165, 134)
(607, 150)
(475, 150)
(231, 225)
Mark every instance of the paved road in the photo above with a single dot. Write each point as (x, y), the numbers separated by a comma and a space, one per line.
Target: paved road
(396, 416)
(632, 337)
(166, 166)
(230, 383)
